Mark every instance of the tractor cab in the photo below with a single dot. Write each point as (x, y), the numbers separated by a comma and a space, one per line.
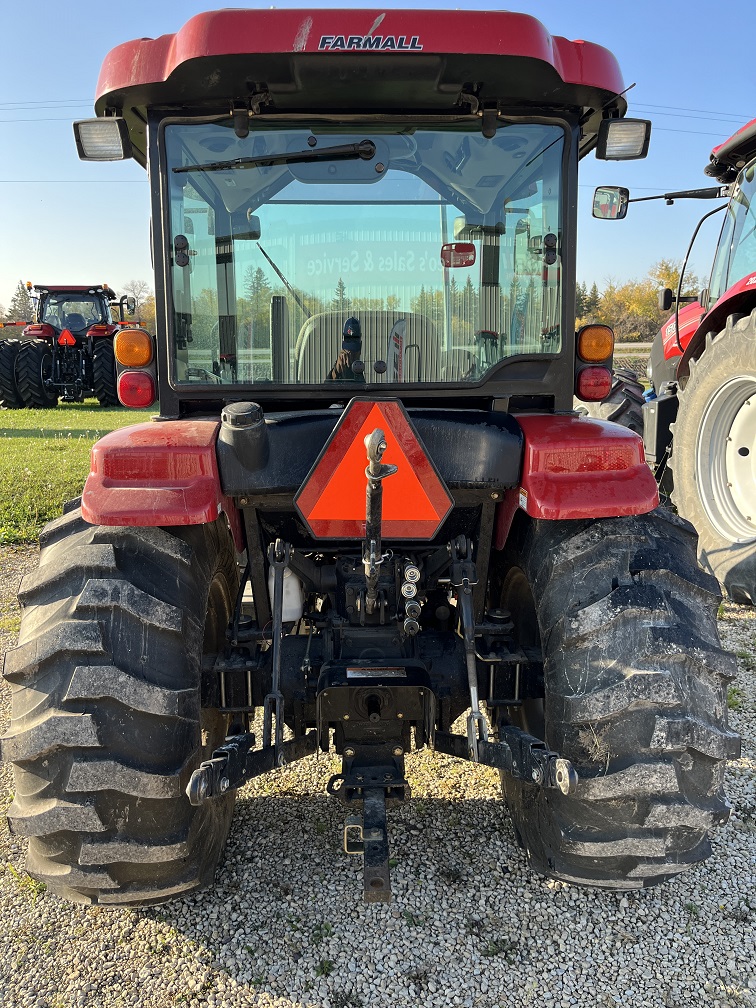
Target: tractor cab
(427, 194)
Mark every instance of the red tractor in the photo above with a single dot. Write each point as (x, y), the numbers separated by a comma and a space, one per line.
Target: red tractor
(67, 352)
(700, 426)
(366, 518)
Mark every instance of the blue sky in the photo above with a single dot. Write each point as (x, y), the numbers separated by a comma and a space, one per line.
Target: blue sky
(63, 220)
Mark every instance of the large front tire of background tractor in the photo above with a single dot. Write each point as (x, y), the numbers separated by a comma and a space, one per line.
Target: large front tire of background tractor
(10, 397)
(714, 456)
(104, 373)
(33, 368)
(635, 698)
(107, 724)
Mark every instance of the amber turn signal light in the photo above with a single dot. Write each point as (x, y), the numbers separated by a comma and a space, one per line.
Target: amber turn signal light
(595, 343)
(133, 348)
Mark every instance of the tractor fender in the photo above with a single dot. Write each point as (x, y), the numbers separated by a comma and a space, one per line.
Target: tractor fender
(578, 467)
(740, 299)
(158, 474)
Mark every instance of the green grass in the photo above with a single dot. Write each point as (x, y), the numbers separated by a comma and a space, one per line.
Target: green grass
(44, 461)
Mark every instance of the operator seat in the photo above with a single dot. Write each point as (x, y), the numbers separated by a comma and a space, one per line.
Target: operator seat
(319, 344)
(75, 322)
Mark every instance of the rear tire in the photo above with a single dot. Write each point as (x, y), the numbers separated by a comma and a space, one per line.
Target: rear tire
(33, 366)
(623, 405)
(635, 698)
(714, 456)
(9, 394)
(107, 725)
(104, 373)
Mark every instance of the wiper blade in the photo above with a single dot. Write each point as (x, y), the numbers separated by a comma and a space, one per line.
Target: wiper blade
(364, 150)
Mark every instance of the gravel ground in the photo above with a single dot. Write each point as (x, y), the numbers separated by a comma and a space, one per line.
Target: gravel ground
(470, 924)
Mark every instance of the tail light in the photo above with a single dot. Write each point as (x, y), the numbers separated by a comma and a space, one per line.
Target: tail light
(133, 348)
(136, 389)
(97, 330)
(40, 330)
(134, 351)
(593, 374)
(595, 343)
(593, 383)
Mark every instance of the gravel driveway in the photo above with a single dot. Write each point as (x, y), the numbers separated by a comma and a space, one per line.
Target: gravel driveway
(470, 924)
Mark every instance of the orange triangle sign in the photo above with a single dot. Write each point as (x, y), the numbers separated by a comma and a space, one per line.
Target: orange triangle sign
(332, 498)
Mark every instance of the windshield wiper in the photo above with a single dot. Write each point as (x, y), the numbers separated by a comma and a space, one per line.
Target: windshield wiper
(364, 150)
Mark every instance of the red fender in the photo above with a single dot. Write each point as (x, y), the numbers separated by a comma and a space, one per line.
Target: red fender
(158, 474)
(576, 467)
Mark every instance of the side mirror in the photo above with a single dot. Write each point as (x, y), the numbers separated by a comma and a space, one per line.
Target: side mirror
(456, 254)
(610, 202)
(666, 299)
(130, 305)
(703, 298)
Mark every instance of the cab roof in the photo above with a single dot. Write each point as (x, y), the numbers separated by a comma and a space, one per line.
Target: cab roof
(357, 61)
(729, 157)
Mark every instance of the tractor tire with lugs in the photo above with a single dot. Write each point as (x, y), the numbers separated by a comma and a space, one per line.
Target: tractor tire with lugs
(104, 373)
(714, 456)
(33, 366)
(635, 697)
(107, 724)
(10, 397)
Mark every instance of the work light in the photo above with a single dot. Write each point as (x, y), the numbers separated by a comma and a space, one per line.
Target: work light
(623, 139)
(102, 139)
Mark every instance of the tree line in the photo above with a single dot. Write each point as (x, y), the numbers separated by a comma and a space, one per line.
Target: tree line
(630, 308)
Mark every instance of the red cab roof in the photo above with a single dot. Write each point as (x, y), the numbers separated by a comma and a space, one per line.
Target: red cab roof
(729, 157)
(356, 60)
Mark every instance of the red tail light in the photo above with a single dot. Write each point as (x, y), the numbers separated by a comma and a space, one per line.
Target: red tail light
(136, 389)
(97, 330)
(593, 384)
(41, 329)
(67, 338)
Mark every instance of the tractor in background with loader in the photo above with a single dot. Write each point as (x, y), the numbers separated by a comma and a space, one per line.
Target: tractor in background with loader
(366, 510)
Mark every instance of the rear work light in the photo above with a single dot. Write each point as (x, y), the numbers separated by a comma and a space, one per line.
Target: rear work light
(136, 389)
(133, 348)
(623, 139)
(595, 343)
(593, 383)
(102, 139)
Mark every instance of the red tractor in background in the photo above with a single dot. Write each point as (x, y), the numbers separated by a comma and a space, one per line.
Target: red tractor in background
(67, 352)
(366, 510)
(699, 427)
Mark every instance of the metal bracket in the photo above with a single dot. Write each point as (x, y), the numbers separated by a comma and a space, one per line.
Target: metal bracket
(279, 555)
(237, 761)
(372, 844)
(522, 756)
(463, 578)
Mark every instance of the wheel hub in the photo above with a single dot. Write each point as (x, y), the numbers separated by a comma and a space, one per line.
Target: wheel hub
(726, 459)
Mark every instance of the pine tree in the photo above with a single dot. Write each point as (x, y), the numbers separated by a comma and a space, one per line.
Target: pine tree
(340, 302)
(581, 300)
(594, 300)
(21, 306)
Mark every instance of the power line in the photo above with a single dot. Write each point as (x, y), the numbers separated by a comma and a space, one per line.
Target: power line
(677, 115)
(47, 101)
(675, 108)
